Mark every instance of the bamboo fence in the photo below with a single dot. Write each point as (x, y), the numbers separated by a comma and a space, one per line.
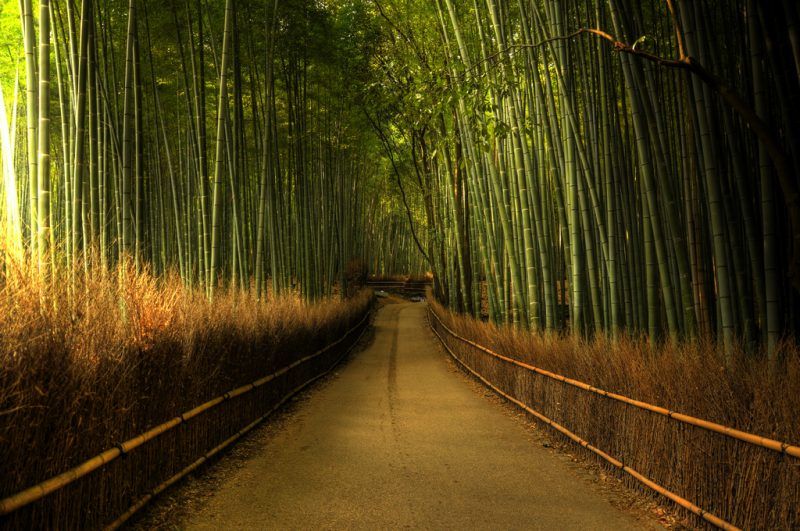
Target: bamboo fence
(107, 486)
(778, 448)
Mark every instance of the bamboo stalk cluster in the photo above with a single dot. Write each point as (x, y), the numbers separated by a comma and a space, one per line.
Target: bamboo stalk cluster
(607, 165)
(211, 138)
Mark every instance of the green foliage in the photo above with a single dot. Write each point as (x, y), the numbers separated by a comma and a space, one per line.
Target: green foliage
(11, 52)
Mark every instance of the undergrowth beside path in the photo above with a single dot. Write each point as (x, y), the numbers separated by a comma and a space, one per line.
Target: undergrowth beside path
(82, 370)
(749, 486)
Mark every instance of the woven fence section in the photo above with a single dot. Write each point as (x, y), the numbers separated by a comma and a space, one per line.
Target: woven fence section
(749, 486)
(95, 500)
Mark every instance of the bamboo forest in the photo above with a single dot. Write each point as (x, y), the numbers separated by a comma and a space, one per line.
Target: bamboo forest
(403, 256)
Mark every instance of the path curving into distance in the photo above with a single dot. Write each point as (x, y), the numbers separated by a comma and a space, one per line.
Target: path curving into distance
(398, 439)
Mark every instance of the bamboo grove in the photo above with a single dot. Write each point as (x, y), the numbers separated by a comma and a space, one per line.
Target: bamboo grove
(610, 165)
(603, 166)
(210, 138)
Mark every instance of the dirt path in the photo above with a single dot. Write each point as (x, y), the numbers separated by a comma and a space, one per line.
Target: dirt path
(398, 439)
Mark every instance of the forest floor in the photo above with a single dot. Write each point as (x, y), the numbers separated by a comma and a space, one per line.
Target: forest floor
(398, 437)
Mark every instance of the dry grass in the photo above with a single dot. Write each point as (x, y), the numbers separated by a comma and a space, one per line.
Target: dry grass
(751, 487)
(81, 371)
